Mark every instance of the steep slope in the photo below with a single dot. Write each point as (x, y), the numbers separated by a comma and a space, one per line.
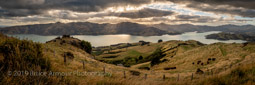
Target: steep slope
(22, 61)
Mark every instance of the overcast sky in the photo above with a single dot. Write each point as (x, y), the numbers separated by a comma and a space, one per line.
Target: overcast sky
(197, 12)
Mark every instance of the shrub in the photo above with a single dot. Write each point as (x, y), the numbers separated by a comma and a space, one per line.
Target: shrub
(199, 71)
(140, 57)
(160, 40)
(22, 55)
(169, 68)
(86, 46)
(69, 55)
(155, 61)
(66, 36)
(156, 56)
(58, 37)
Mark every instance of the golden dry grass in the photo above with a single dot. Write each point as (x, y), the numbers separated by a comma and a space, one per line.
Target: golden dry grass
(182, 60)
(226, 55)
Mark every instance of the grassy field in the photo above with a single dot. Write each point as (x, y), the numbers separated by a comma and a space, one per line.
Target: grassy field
(127, 56)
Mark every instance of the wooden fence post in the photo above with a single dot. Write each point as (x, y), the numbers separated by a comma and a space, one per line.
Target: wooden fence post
(164, 77)
(83, 63)
(104, 69)
(208, 71)
(178, 77)
(124, 74)
(65, 59)
(192, 77)
(55, 53)
(212, 72)
(145, 76)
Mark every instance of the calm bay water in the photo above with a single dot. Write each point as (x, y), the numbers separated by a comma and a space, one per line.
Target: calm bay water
(105, 40)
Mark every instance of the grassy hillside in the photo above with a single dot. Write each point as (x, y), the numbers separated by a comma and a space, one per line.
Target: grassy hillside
(226, 56)
(19, 57)
(181, 59)
(177, 63)
(241, 75)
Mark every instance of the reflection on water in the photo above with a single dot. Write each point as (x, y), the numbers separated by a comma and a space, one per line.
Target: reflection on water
(104, 40)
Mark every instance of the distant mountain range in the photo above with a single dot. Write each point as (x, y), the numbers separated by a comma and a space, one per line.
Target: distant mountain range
(229, 36)
(245, 29)
(87, 28)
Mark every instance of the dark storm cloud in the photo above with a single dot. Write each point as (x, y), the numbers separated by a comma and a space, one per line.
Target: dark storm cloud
(224, 10)
(249, 4)
(34, 7)
(19, 12)
(245, 8)
(194, 18)
(144, 13)
(186, 18)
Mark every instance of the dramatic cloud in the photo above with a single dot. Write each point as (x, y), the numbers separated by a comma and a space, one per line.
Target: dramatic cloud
(195, 18)
(245, 8)
(207, 12)
(143, 13)
(33, 7)
(224, 10)
(249, 4)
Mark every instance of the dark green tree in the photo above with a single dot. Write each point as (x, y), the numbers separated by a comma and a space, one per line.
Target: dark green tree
(86, 46)
(140, 57)
(156, 56)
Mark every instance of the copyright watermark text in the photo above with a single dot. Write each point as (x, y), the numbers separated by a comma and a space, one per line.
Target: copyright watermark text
(52, 73)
